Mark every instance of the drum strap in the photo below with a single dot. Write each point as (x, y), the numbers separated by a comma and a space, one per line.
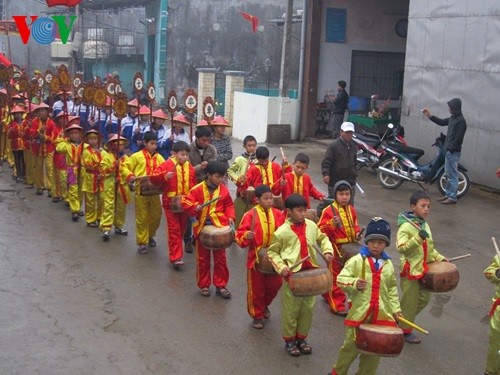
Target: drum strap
(494, 307)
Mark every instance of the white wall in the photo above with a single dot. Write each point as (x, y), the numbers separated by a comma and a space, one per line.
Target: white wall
(453, 51)
(252, 114)
(370, 26)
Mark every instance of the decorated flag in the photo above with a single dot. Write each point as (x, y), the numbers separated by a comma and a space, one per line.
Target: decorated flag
(253, 19)
(68, 3)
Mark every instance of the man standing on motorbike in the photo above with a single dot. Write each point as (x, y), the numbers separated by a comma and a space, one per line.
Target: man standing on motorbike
(339, 105)
(454, 138)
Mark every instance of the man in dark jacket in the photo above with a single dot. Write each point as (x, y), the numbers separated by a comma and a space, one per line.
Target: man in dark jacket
(339, 162)
(453, 145)
(339, 104)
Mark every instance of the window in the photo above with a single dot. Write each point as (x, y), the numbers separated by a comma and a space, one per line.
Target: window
(126, 40)
(95, 34)
(378, 73)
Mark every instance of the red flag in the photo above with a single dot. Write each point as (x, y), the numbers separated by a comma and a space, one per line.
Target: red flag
(253, 19)
(68, 3)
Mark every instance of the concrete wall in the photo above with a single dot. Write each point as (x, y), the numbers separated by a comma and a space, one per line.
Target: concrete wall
(453, 51)
(252, 114)
(369, 27)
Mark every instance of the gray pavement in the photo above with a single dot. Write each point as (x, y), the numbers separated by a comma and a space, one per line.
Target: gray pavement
(72, 304)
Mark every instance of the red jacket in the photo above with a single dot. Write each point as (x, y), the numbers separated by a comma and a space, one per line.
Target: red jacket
(183, 180)
(40, 146)
(15, 136)
(263, 223)
(268, 175)
(347, 230)
(297, 185)
(219, 212)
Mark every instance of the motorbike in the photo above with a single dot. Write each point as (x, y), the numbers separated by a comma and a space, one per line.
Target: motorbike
(369, 145)
(401, 165)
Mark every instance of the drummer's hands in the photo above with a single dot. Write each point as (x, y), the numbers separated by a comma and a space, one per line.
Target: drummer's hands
(242, 179)
(445, 260)
(326, 179)
(197, 208)
(250, 235)
(203, 164)
(398, 315)
(286, 272)
(361, 284)
(336, 221)
(282, 182)
(426, 112)
(231, 223)
(359, 236)
(169, 175)
(328, 257)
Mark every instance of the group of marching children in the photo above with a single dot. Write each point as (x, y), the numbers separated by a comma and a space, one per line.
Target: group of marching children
(65, 156)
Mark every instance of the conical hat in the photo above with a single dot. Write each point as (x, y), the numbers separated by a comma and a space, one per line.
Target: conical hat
(115, 138)
(92, 131)
(181, 118)
(18, 109)
(202, 123)
(133, 103)
(159, 114)
(144, 110)
(73, 127)
(43, 105)
(219, 121)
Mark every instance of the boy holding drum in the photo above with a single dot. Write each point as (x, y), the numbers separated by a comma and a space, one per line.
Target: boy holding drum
(255, 232)
(292, 251)
(492, 273)
(414, 242)
(176, 176)
(212, 205)
(147, 208)
(369, 280)
(339, 221)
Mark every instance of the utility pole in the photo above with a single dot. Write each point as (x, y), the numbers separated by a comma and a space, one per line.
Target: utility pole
(286, 51)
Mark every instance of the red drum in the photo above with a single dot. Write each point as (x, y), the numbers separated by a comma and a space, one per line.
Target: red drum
(378, 340)
(215, 238)
(348, 250)
(312, 215)
(264, 265)
(278, 202)
(441, 277)
(175, 204)
(147, 188)
(311, 282)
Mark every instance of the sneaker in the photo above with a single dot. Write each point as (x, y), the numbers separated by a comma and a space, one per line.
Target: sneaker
(449, 201)
(56, 200)
(152, 242)
(177, 263)
(267, 313)
(39, 192)
(223, 292)
(205, 292)
(121, 231)
(30, 186)
(142, 249)
(410, 338)
(105, 235)
(80, 213)
(74, 217)
(188, 247)
(93, 224)
(342, 313)
(49, 194)
(442, 198)
(258, 323)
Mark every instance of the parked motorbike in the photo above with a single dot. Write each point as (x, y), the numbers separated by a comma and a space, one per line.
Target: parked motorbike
(401, 166)
(369, 145)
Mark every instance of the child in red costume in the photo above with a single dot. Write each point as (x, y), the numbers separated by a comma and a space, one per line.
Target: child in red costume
(339, 222)
(255, 232)
(298, 182)
(176, 176)
(219, 213)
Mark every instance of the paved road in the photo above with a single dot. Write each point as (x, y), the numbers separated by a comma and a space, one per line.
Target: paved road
(71, 304)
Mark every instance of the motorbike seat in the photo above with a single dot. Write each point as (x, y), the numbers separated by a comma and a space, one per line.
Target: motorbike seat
(371, 139)
(407, 149)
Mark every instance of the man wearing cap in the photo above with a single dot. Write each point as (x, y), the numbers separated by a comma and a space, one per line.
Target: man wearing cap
(131, 120)
(457, 127)
(42, 133)
(339, 105)
(158, 127)
(339, 162)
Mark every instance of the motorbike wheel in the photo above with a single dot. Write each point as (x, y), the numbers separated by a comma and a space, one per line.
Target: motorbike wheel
(388, 181)
(463, 183)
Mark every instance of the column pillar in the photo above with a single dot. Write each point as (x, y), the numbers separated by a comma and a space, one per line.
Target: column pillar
(206, 87)
(235, 81)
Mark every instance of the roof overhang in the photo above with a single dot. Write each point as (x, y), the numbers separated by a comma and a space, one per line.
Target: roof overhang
(113, 4)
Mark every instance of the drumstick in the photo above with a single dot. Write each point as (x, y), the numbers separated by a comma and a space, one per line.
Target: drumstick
(254, 216)
(458, 257)
(412, 325)
(496, 246)
(411, 222)
(299, 262)
(359, 188)
(209, 202)
(282, 154)
(363, 272)
(318, 249)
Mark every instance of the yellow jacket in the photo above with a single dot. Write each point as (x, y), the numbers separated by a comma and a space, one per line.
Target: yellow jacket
(142, 163)
(490, 273)
(91, 159)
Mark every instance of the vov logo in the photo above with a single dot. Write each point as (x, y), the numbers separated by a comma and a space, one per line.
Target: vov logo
(45, 29)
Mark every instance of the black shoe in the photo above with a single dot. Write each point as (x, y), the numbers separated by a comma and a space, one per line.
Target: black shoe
(80, 213)
(93, 224)
(39, 192)
(75, 217)
(142, 249)
(449, 201)
(121, 231)
(152, 242)
(442, 198)
(105, 235)
(188, 247)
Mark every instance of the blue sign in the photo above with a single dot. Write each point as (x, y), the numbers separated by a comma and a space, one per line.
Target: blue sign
(336, 25)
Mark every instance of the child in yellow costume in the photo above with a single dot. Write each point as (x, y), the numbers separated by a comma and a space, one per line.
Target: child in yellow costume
(369, 280)
(116, 192)
(492, 273)
(91, 180)
(71, 145)
(147, 208)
